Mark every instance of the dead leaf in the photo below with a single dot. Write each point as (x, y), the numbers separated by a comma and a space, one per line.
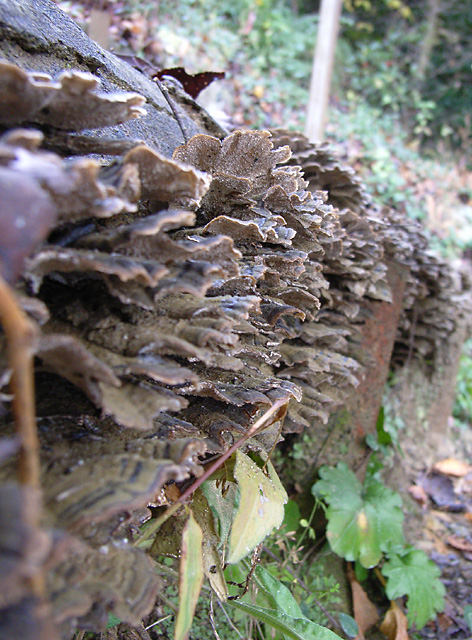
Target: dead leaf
(365, 612)
(444, 621)
(192, 84)
(459, 543)
(395, 625)
(418, 494)
(452, 467)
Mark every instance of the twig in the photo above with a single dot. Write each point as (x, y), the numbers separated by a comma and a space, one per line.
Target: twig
(230, 622)
(212, 619)
(280, 406)
(19, 334)
(165, 93)
(154, 624)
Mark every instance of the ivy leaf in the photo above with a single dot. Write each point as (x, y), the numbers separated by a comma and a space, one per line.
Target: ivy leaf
(190, 578)
(414, 575)
(363, 520)
(259, 506)
(293, 628)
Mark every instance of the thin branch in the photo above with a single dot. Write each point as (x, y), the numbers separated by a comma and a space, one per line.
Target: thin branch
(165, 93)
(20, 338)
(212, 619)
(154, 624)
(230, 622)
(20, 334)
(276, 412)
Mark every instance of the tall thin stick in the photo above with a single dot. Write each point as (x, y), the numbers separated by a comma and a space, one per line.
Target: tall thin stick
(20, 336)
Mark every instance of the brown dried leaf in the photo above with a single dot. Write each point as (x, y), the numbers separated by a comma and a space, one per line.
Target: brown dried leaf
(395, 624)
(418, 494)
(459, 543)
(365, 612)
(452, 467)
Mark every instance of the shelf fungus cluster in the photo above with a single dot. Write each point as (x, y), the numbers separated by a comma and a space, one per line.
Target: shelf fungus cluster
(173, 301)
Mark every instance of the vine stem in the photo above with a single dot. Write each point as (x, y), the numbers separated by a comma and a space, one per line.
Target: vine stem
(276, 412)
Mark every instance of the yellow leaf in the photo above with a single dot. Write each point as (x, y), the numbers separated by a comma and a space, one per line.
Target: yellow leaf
(261, 506)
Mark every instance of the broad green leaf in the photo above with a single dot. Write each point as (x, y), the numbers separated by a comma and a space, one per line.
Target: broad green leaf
(416, 576)
(260, 507)
(363, 520)
(190, 578)
(294, 628)
(275, 594)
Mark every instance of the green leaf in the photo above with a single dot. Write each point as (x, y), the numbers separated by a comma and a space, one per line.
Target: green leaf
(291, 517)
(221, 497)
(190, 578)
(275, 595)
(260, 507)
(349, 625)
(414, 575)
(294, 628)
(363, 520)
(468, 616)
(113, 621)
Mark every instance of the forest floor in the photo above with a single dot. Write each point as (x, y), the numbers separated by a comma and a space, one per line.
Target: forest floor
(435, 482)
